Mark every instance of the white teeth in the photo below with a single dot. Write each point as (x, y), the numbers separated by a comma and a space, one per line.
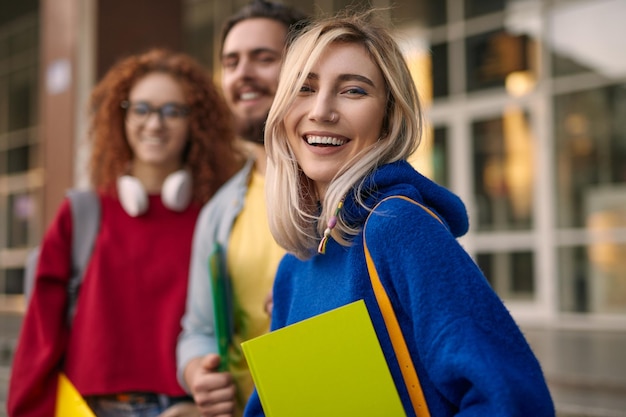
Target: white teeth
(251, 95)
(324, 140)
(153, 140)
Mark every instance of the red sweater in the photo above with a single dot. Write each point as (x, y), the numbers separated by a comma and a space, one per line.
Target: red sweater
(123, 337)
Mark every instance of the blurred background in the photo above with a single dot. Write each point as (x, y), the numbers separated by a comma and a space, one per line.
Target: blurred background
(526, 111)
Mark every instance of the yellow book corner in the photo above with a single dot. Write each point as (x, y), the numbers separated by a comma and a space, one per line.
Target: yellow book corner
(330, 365)
(69, 401)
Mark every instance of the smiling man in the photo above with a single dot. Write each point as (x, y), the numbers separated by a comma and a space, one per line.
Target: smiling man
(251, 59)
(235, 220)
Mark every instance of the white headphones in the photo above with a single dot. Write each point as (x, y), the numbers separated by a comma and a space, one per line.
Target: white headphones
(175, 193)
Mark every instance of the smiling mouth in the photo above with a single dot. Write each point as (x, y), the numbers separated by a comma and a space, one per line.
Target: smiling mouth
(151, 140)
(324, 141)
(250, 95)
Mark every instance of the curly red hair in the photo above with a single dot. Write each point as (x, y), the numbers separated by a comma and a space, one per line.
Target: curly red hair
(210, 154)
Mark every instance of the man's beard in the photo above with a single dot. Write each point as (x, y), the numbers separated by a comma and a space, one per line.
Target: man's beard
(252, 130)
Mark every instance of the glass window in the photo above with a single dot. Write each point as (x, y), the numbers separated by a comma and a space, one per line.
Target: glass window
(590, 151)
(23, 40)
(4, 124)
(592, 279)
(19, 160)
(475, 8)
(437, 12)
(430, 159)
(4, 48)
(22, 86)
(440, 152)
(428, 13)
(14, 9)
(510, 274)
(14, 281)
(3, 162)
(439, 56)
(20, 214)
(19, 41)
(492, 56)
(503, 172)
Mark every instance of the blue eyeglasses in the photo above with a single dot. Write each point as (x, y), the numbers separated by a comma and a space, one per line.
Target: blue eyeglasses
(139, 112)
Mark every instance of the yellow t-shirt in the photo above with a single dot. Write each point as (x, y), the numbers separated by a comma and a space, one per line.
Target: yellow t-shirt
(252, 259)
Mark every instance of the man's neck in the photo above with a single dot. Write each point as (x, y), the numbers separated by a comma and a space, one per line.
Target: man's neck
(256, 151)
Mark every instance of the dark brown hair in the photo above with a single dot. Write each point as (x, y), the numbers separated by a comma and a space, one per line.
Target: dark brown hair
(210, 154)
(292, 18)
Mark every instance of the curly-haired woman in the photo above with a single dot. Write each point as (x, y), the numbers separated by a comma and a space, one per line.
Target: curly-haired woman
(161, 146)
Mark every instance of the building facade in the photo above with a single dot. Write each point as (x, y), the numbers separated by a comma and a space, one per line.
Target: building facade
(526, 111)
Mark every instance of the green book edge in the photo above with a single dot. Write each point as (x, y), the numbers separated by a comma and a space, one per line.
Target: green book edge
(222, 305)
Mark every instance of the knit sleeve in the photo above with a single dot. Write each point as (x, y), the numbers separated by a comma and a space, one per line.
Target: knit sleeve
(43, 337)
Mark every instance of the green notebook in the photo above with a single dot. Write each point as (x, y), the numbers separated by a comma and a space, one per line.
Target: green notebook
(222, 303)
(330, 365)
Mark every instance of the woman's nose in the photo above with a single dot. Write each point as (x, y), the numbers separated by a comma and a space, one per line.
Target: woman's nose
(323, 110)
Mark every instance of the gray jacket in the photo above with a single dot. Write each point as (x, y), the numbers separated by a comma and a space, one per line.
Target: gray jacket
(214, 225)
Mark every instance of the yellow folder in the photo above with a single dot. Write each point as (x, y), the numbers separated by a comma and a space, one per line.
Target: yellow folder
(69, 401)
(330, 365)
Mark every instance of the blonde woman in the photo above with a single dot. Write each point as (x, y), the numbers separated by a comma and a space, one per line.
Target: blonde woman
(345, 119)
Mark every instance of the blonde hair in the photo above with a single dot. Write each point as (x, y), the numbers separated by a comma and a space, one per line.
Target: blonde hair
(294, 214)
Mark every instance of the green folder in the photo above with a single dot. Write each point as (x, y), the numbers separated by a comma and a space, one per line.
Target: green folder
(330, 365)
(222, 303)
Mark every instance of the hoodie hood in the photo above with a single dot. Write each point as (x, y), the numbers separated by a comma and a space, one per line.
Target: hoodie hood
(400, 178)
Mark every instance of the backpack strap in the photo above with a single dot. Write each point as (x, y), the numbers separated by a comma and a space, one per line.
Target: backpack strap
(409, 374)
(85, 206)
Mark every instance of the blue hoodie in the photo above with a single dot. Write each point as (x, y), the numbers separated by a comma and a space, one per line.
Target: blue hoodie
(470, 356)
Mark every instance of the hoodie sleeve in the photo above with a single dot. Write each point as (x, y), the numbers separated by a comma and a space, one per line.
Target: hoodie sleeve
(469, 352)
